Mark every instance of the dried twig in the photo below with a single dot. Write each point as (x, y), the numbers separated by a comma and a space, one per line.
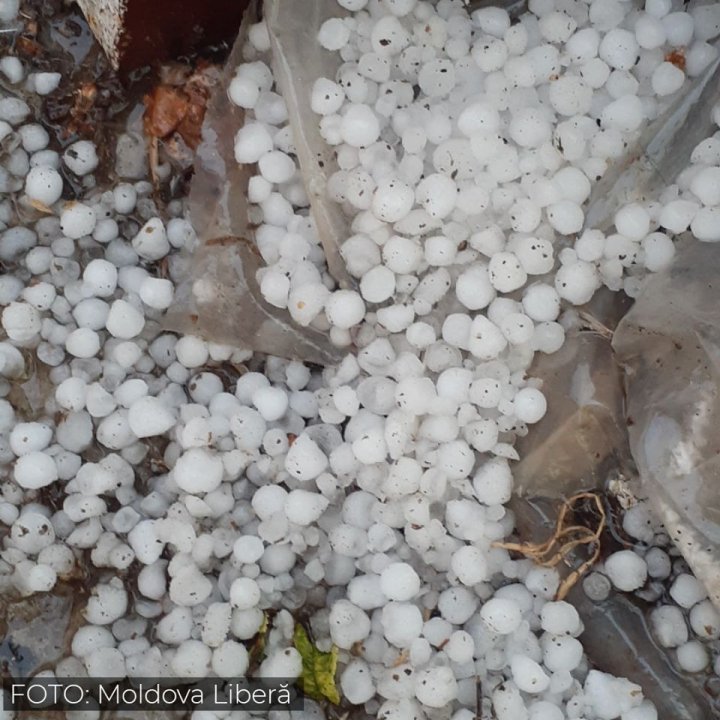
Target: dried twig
(563, 541)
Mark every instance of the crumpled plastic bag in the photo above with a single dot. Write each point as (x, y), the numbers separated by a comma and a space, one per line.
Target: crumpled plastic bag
(582, 438)
(218, 297)
(669, 347)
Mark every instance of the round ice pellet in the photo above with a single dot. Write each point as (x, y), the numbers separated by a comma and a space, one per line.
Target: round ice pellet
(626, 570)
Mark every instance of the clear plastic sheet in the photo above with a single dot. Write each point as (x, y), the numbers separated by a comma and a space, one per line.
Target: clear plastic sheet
(669, 346)
(583, 437)
(218, 298)
(662, 150)
(298, 60)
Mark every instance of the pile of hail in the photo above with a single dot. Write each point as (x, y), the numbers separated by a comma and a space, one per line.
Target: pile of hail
(370, 495)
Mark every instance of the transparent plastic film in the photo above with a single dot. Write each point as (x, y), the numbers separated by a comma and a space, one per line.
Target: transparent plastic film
(219, 299)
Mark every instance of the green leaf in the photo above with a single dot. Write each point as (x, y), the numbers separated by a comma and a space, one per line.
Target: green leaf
(318, 668)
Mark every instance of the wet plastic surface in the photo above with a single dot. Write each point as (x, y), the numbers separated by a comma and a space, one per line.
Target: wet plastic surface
(219, 298)
(669, 345)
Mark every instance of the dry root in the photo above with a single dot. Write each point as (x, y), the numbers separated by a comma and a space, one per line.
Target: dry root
(564, 540)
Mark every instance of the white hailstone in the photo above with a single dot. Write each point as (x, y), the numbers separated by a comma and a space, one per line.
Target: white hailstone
(401, 623)
(156, 293)
(626, 570)
(436, 687)
(189, 587)
(81, 157)
(528, 675)
(277, 167)
(191, 351)
(455, 459)
(10, 66)
(667, 79)
(686, 591)
(44, 185)
(490, 54)
(609, 697)
(21, 321)
(529, 405)
(668, 625)
(486, 340)
(493, 482)
(517, 328)
(632, 221)
(705, 185)
(306, 301)
(359, 126)
(305, 460)
(705, 620)
(541, 303)
(13, 110)
(566, 217)
(508, 703)
(271, 402)
(327, 97)
(474, 288)
(469, 565)
(402, 255)
(252, 141)
(437, 193)
(388, 36)
(198, 471)
(29, 437)
(149, 416)
(478, 117)
(392, 200)
(77, 220)
(35, 470)
(151, 241)
(303, 507)
(83, 343)
(624, 114)
(333, 34)
(436, 78)
(619, 49)
(348, 624)
(570, 95)
(577, 282)
(124, 321)
(705, 226)
(248, 549)
(243, 91)
(378, 284)
(658, 562)
(244, 593)
(506, 272)
(106, 662)
(344, 309)
(659, 251)
(107, 602)
(561, 653)
(560, 618)
(502, 616)
(32, 532)
(100, 276)
(399, 581)
(124, 198)
(356, 682)
(192, 659)
(45, 82)
(230, 660)
(529, 128)
(693, 656)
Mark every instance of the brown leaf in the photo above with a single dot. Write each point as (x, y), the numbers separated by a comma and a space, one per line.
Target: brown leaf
(165, 109)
